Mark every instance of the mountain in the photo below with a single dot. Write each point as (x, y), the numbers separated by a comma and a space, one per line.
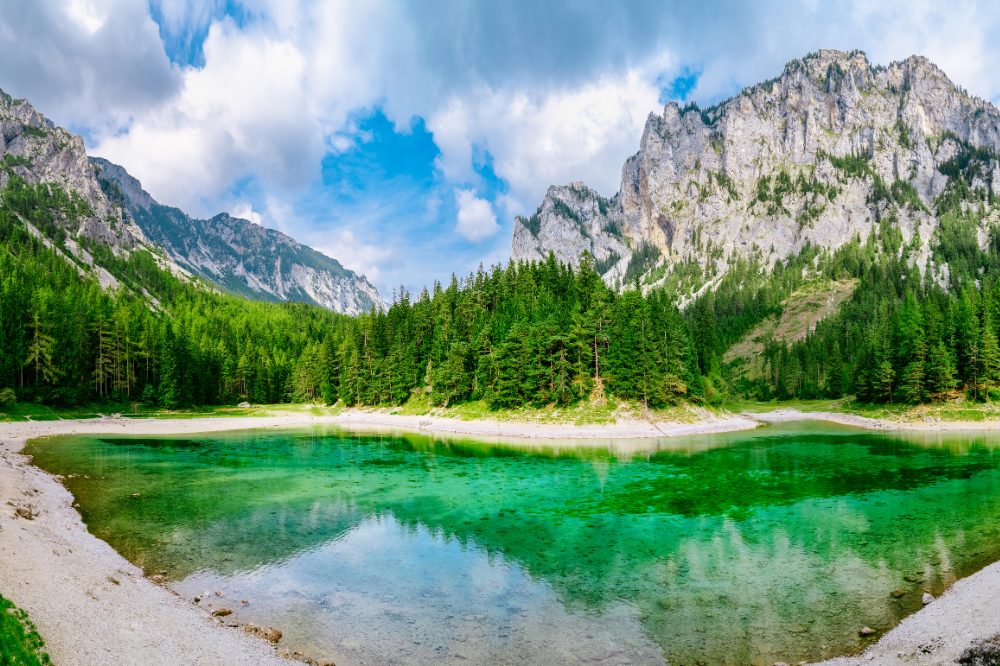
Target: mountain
(830, 150)
(47, 167)
(92, 207)
(242, 257)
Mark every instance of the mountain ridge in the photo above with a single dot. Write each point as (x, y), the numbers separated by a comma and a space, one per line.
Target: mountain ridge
(239, 255)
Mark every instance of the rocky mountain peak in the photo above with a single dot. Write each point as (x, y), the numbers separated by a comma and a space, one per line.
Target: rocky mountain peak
(818, 155)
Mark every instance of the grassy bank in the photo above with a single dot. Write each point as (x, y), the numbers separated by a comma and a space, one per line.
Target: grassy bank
(580, 413)
(20, 644)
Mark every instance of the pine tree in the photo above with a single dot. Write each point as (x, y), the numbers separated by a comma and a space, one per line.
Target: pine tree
(40, 351)
(940, 371)
(989, 359)
(882, 381)
(913, 381)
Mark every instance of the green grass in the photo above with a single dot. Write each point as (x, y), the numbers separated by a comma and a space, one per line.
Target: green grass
(582, 413)
(759, 407)
(20, 644)
(585, 412)
(940, 411)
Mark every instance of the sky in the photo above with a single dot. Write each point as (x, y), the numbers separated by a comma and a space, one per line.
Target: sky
(402, 138)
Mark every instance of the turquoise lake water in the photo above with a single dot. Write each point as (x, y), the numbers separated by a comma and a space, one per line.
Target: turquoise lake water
(747, 548)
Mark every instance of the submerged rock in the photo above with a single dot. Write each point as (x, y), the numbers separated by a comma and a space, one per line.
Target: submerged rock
(866, 631)
(221, 612)
(267, 633)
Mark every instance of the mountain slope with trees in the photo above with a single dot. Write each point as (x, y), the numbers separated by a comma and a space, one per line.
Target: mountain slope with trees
(92, 206)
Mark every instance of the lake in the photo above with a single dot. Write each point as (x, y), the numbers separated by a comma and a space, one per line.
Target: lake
(746, 548)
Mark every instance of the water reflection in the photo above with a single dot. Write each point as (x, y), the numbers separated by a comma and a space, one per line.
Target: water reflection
(774, 545)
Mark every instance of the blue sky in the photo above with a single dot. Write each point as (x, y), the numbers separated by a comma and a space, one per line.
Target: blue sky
(402, 138)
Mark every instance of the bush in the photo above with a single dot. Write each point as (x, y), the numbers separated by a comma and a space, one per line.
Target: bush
(7, 397)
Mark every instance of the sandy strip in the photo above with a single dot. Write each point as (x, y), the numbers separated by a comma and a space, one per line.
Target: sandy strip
(929, 425)
(94, 607)
(623, 429)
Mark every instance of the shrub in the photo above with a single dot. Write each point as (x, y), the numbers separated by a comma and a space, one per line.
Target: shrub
(7, 397)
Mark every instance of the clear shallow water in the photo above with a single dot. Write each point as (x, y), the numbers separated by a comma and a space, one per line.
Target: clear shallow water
(776, 545)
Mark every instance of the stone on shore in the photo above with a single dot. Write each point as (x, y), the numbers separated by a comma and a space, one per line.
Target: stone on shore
(267, 633)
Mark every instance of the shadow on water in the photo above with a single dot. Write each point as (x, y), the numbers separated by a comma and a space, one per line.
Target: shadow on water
(741, 548)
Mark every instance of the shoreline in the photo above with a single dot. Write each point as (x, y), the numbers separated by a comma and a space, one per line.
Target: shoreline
(93, 606)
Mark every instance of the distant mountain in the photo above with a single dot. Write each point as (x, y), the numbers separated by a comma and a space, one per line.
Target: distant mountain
(97, 206)
(831, 149)
(48, 166)
(237, 254)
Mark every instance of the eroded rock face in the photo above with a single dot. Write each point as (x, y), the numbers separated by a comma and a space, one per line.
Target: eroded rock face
(572, 219)
(815, 156)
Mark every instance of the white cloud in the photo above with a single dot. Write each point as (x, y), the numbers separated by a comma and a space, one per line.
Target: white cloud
(364, 258)
(245, 211)
(90, 63)
(476, 220)
(549, 137)
(554, 91)
(244, 113)
(86, 14)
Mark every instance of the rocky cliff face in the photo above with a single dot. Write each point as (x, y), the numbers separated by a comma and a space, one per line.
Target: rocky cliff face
(239, 255)
(821, 154)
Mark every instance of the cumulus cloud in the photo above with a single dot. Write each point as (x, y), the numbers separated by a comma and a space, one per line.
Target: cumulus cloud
(548, 137)
(90, 63)
(357, 255)
(241, 114)
(245, 211)
(475, 219)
